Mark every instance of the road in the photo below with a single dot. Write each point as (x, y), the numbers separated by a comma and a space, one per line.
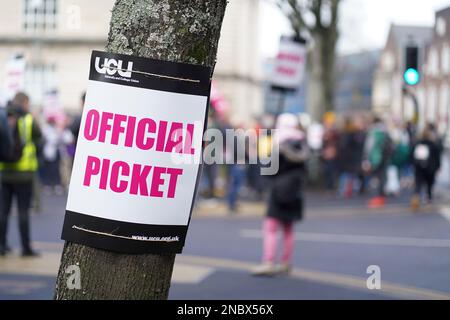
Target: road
(335, 244)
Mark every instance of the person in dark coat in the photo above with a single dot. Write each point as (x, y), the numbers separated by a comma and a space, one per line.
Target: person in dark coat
(329, 155)
(349, 157)
(427, 161)
(17, 176)
(285, 204)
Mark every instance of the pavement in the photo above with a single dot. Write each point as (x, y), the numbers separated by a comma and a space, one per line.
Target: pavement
(335, 244)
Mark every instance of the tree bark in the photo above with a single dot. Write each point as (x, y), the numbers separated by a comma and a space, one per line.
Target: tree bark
(322, 76)
(173, 30)
(315, 84)
(328, 56)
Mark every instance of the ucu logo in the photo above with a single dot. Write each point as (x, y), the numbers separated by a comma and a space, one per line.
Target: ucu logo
(111, 66)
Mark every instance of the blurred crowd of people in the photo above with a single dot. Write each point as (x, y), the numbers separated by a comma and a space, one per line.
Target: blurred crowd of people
(390, 156)
(353, 155)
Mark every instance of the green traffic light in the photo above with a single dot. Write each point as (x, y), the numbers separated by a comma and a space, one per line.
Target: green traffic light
(411, 76)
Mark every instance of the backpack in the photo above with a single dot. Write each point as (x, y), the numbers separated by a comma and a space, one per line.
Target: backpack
(401, 155)
(12, 144)
(5, 136)
(422, 155)
(381, 150)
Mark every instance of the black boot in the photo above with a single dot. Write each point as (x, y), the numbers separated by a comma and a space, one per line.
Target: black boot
(3, 250)
(29, 253)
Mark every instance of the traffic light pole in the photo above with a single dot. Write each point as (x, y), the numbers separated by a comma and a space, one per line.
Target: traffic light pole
(281, 99)
(407, 92)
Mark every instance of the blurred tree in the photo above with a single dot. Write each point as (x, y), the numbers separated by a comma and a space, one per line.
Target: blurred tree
(318, 21)
(172, 30)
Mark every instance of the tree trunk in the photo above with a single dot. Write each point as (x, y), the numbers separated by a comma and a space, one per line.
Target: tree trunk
(173, 30)
(321, 82)
(315, 83)
(328, 72)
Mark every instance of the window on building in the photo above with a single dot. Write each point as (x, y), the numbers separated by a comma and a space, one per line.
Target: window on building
(388, 62)
(440, 26)
(433, 61)
(445, 59)
(421, 98)
(431, 105)
(443, 108)
(40, 15)
(39, 79)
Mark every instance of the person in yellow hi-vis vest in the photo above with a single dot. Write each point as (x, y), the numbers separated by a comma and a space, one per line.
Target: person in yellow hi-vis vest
(17, 174)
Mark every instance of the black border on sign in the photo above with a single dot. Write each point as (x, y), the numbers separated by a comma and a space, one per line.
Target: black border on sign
(119, 230)
(155, 74)
(113, 235)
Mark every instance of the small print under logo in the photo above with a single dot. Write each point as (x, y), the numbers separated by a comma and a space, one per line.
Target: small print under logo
(111, 66)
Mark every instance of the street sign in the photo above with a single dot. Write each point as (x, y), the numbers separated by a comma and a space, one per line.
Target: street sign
(15, 76)
(51, 106)
(136, 166)
(289, 65)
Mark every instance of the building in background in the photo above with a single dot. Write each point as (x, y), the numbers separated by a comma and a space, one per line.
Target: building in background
(434, 89)
(387, 96)
(354, 80)
(56, 38)
(239, 65)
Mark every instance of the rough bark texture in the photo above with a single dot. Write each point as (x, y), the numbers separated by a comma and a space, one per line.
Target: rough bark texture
(173, 30)
(328, 39)
(315, 85)
(322, 75)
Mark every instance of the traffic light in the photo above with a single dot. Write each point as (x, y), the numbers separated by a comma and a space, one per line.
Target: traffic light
(412, 75)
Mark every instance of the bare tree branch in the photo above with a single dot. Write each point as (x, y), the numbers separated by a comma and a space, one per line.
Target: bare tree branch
(294, 12)
(334, 12)
(316, 9)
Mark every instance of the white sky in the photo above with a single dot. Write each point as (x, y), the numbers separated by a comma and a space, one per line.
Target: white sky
(364, 24)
